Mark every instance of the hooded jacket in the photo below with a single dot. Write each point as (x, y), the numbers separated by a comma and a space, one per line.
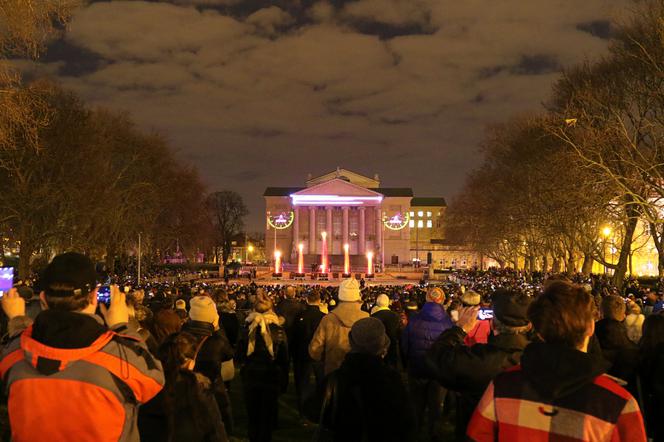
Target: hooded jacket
(420, 334)
(557, 393)
(79, 380)
(330, 342)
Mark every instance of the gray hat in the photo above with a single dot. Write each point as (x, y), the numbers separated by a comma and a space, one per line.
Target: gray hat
(368, 336)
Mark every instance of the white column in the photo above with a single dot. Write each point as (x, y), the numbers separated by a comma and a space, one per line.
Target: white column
(312, 230)
(361, 244)
(379, 233)
(344, 229)
(328, 229)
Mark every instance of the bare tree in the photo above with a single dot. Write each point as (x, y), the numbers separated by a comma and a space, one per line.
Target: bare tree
(227, 211)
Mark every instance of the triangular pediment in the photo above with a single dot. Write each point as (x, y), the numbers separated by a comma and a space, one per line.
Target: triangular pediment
(345, 175)
(337, 192)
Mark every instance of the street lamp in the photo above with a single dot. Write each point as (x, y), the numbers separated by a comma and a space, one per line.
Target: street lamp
(250, 249)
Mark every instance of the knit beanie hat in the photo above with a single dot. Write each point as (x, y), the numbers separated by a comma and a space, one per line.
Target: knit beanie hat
(180, 304)
(382, 300)
(349, 290)
(368, 336)
(471, 298)
(436, 294)
(511, 308)
(203, 308)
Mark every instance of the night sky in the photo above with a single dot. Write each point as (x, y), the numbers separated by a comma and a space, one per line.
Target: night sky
(261, 93)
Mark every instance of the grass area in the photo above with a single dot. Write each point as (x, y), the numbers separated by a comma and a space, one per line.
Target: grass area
(292, 428)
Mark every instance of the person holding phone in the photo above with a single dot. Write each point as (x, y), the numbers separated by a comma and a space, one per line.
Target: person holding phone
(468, 370)
(72, 366)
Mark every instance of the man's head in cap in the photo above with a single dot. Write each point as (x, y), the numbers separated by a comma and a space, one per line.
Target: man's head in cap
(510, 311)
(69, 283)
(368, 336)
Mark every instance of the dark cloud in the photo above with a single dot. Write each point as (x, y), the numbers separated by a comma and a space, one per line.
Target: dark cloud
(536, 65)
(598, 28)
(259, 93)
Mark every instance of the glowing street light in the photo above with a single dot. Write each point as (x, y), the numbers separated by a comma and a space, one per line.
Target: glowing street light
(323, 259)
(346, 260)
(277, 262)
(300, 259)
(606, 231)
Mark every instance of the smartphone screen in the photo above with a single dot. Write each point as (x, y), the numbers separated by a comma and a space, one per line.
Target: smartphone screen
(484, 313)
(104, 294)
(6, 279)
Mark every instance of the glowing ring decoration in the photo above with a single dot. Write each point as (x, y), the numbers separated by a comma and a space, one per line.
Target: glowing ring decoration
(397, 222)
(281, 221)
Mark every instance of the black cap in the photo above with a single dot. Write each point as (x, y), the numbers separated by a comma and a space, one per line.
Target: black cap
(511, 308)
(69, 269)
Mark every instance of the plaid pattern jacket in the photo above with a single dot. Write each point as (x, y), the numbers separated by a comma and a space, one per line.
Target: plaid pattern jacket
(511, 410)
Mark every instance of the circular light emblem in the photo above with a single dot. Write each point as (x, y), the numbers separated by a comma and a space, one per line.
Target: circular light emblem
(397, 221)
(281, 220)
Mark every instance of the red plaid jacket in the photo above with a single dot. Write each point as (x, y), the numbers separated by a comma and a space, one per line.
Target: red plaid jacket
(511, 410)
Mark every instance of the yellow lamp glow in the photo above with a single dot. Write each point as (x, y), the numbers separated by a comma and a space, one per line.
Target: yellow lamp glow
(277, 261)
(300, 258)
(606, 231)
(369, 263)
(323, 260)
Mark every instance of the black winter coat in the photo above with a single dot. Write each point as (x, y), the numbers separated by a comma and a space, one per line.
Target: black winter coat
(231, 324)
(214, 351)
(368, 402)
(260, 369)
(392, 323)
(469, 370)
(303, 331)
(651, 394)
(617, 349)
(290, 310)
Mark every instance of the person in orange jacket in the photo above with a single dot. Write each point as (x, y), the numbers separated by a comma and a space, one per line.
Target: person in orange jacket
(73, 375)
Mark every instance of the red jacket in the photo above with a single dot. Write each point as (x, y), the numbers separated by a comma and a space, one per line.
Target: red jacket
(511, 410)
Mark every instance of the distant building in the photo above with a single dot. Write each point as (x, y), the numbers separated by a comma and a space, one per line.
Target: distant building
(352, 209)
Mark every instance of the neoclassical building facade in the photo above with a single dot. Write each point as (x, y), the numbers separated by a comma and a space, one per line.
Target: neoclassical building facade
(350, 209)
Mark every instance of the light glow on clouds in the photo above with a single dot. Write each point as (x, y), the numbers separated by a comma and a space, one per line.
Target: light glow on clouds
(263, 98)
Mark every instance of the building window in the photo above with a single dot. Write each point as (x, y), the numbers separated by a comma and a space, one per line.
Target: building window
(412, 214)
(428, 214)
(411, 223)
(429, 224)
(420, 224)
(420, 214)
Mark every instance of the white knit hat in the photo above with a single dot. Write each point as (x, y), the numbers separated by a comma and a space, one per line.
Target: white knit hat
(203, 308)
(180, 304)
(349, 290)
(382, 300)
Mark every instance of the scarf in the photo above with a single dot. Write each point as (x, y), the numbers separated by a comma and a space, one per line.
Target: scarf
(261, 321)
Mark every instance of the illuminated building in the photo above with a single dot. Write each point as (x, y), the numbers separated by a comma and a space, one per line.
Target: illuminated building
(352, 209)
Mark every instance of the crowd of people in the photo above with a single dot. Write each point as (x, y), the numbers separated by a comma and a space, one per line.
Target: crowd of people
(511, 356)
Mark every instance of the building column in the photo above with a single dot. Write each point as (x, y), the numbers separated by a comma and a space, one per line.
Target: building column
(361, 243)
(344, 229)
(328, 229)
(379, 234)
(296, 230)
(312, 230)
